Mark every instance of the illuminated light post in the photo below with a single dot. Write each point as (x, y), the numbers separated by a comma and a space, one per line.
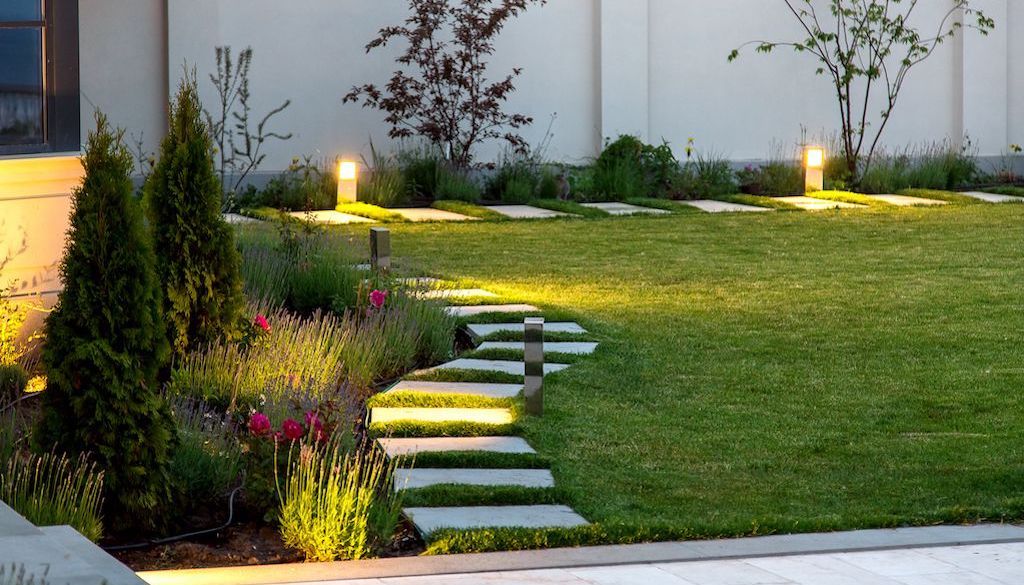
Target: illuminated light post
(814, 168)
(348, 182)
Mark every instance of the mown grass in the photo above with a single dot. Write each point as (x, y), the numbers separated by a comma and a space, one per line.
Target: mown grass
(947, 196)
(759, 201)
(771, 372)
(663, 204)
(471, 495)
(469, 209)
(1007, 190)
(570, 207)
(374, 212)
(849, 197)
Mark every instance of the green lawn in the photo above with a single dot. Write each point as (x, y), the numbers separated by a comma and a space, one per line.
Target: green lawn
(776, 371)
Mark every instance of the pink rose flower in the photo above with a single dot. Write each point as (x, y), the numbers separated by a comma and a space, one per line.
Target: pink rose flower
(377, 298)
(261, 322)
(259, 424)
(292, 430)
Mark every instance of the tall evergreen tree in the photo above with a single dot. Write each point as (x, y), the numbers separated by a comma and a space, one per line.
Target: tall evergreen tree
(196, 257)
(106, 342)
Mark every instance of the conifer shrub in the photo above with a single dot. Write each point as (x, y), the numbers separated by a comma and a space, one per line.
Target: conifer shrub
(197, 262)
(106, 342)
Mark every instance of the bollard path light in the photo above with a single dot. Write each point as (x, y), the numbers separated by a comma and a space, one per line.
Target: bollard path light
(348, 182)
(380, 249)
(533, 350)
(814, 168)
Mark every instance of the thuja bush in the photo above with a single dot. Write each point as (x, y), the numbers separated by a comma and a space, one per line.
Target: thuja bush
(106, 342)
(196, 257)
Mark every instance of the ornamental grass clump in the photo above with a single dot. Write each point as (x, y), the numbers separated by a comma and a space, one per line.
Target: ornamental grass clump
(338, 505)
(54, 490)
(207, 462)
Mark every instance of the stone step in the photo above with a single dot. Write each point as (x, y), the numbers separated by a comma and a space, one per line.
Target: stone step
(526, 212)
(461, 388)
(492, 416)
(505, 367)
(453, 293)
(993, 197)
(485, 329)
(615, 208)
(331, 217)
(421, 478)
(429, 520)
(112, 571)
(569, 347)
(419, 214)
(421, 282)
(400, 447)
(712, 206)
(474, 310)
(907, 201)
(815, 204)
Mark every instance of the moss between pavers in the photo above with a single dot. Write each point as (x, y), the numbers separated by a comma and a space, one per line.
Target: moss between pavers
(475, 495)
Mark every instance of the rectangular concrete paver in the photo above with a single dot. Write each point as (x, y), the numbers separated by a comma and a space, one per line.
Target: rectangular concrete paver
(453, 293)
(474, 310)
(907, 201)
(526, 212)
(615, 208)
(569, 347)
(421, 478)
(421, 282)
(712, 206)
(399, 447)
(234, 218)
(485, 329)
(993, 197)
(463, 388)
(503, 366)
(429, 520)
(418, 214)
(492, 416)
(330, 217)
(815, 204)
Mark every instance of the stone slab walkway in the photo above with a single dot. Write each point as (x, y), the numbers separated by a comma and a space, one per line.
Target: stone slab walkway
(234, 218)
(615, 208)
(503, 366)
(421, 478)
(454, 293)
(464, 388)
(429, 520)
(331, 217)
(420, 214)
(490, 416)
(526, 212)
(815, 204)
(712, 206)
(474, 310)
(569, 347)
(401, 447)
(485, 329)
(907, 201)
(993, 197)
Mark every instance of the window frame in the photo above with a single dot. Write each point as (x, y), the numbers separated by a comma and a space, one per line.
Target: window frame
(61, 104)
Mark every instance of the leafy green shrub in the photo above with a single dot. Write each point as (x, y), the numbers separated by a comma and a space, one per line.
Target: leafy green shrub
(207, 461)
(106, 341)
(305, 185)
(196, 257)
(337, 505)
(53, 490)
(422, 167)
(385, 184)
(456, 186)
(629, 168)
(704, 175)
(774, 178)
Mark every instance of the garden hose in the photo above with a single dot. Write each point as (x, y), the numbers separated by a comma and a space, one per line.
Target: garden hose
(179, 537)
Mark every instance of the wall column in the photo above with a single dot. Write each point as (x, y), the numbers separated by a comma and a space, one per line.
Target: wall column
(984, 73)
(625, 84)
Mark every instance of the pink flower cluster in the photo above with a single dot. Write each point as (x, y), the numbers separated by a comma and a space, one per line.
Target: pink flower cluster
(377, 298)
(291, 429)
(261, 322)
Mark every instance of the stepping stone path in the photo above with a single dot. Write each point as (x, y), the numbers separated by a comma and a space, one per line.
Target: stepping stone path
(906, 201)
(331, 217)
(429, 520)
(454, 293)
(815, 204)
(712, 206)
(993, 197)
(625, 209)
(418, 214)
(527, 212)
(234, 218)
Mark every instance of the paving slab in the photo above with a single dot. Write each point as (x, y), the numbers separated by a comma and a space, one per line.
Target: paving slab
(815, 204)
(993, 197)
(234, 218)
(503, 366)
(429, 520)
(474, 310)
(491, 416)
(421, 282)
(907, 201)
(421, 478)
(527, 212)
(399, 447)
(712, 206)
(418, 214)
(453, 293)
(569, 347)
(461, 388)
(616, 208)
(485, 329)
(331, 217)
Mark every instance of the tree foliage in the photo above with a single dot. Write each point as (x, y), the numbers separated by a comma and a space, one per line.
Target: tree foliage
(196, 257)
(106, 341)
(867, 49)
(443, 92)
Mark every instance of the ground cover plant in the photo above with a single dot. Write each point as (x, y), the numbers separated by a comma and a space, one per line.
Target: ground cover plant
(763, 373)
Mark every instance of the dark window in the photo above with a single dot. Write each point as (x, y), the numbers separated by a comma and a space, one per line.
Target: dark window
(39, 77)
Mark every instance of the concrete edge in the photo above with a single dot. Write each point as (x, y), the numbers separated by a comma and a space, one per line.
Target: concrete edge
(611, 555)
